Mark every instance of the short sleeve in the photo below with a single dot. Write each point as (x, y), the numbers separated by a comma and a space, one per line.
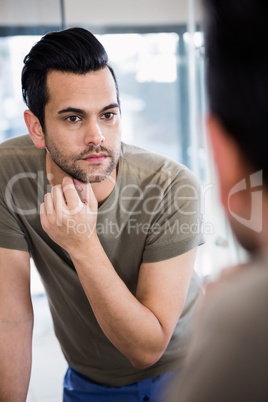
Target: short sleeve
(177, 225)
(11, 233)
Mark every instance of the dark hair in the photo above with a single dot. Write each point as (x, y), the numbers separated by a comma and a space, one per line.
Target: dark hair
(236, 38)
(73, 50)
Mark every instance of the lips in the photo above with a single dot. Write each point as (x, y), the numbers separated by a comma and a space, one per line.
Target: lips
(95, 158)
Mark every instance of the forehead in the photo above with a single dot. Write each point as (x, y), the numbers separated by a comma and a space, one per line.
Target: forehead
(94, 86)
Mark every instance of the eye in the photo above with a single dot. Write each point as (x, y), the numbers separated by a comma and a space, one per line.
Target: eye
(73, 119)
(108, 116)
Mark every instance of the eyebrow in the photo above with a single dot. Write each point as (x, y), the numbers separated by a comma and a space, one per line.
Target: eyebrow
(81, 111)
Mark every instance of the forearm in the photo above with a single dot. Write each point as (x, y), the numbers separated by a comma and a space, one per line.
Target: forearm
(128, 323)
(15, 363)
(140, 325)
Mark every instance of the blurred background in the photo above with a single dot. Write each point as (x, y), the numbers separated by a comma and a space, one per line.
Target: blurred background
(157, 51)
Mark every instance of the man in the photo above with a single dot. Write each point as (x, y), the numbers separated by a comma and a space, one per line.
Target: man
(115, 241)
(228, 357)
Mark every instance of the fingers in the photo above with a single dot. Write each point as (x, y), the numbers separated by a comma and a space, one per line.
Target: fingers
(69, 191)
(49, 204)
(82, 190)
(43, 214)
(63, 199)
(85, 193)
(47, 207)
(68, 198)
(58, 203)
(63, 209)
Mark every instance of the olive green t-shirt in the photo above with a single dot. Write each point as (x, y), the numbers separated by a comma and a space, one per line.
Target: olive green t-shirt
(153, 214)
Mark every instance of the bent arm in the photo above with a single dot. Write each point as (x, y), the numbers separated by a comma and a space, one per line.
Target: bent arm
(140, 327)
(16, 325)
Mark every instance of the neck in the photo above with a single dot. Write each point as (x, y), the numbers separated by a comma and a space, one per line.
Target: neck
(103, 189)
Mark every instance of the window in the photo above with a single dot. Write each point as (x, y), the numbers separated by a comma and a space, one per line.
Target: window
(161, 83)
(13, 49)
(152, 73)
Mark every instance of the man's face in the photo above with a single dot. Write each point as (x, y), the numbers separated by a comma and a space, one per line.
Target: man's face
(82, 124)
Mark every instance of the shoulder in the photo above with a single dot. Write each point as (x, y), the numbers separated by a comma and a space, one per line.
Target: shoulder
(246, 292)
(227, 359)
(19, 155)
(141, 162)
(16, 142)
(144, 159)
(16, 146)
(236, 315)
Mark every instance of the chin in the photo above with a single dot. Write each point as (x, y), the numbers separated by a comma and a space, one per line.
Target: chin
(91, 178)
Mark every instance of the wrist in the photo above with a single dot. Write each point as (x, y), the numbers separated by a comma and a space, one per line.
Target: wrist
(84, 246)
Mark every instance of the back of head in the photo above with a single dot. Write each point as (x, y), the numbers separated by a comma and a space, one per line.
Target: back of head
(236, 38)
(73, 50)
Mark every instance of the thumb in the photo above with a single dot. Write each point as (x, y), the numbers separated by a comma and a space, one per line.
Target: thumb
(85, 192)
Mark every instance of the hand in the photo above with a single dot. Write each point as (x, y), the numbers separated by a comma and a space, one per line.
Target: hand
(69, 214)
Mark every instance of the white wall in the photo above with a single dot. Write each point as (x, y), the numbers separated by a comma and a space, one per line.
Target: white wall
(94, 13)
(29, 12)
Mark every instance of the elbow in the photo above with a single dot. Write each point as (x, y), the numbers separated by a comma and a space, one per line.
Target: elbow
(148, 354)
(145, 361)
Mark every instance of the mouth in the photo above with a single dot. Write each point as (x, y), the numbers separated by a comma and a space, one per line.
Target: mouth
(95, 158)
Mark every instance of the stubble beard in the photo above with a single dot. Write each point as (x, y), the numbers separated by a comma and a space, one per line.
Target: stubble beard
(71, 167)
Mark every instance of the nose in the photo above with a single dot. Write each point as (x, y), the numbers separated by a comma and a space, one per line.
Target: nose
(93, 134)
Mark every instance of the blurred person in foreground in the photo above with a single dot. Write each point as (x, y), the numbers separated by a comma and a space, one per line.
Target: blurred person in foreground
(228, 358)
(111, 229)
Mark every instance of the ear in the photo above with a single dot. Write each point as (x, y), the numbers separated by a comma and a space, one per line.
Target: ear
(229, 162)
(35, 129)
